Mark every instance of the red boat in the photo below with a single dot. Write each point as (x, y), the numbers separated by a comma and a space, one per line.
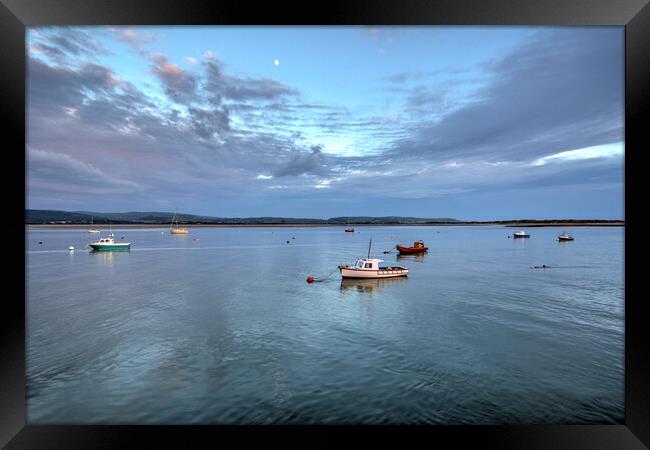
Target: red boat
(418, 247)
(349, 230)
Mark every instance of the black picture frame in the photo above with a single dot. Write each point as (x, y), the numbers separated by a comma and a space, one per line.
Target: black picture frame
(16, 15)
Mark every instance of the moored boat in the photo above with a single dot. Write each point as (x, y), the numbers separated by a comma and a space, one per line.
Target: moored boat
(564, 237)
(370, 268)
(92, 228)
(108, 243)
(520, 234)
(178, 229)
(349, 229)
(418, 247)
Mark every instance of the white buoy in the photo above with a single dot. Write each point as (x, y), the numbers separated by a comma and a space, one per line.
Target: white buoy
(71, 248)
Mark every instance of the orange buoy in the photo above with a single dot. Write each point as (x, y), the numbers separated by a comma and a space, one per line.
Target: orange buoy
(310, 279)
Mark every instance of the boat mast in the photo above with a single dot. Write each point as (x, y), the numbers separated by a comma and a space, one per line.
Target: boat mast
(369, 244)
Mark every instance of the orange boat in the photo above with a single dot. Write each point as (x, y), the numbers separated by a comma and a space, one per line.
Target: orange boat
(418, 247)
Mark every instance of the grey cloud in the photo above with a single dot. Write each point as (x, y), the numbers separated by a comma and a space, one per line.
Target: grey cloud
(563, 89)
(61, 172)
(62, 43)
(403, 77)
(208, 122)
(300, 163)
(180, 85)
(53, 88)
(219, 85)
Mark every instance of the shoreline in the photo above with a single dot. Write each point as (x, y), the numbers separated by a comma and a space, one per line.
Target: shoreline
(314, 225)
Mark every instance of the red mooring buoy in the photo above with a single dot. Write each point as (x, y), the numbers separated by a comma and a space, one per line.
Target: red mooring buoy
(310, 279)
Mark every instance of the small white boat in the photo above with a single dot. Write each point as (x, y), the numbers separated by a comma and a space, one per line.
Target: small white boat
(520, 234)
(92, 229)
(564, 237)
(370, 268)
(108, 243)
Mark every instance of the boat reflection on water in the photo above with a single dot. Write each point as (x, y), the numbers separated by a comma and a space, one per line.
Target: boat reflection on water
(371, 285)
(108, 257)
(417, 257)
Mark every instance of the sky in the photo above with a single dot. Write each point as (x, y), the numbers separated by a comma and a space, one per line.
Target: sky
(472, 123)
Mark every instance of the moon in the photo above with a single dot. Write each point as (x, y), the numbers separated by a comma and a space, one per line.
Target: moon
(276, 61)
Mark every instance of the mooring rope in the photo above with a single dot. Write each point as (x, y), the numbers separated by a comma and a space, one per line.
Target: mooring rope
(311, 279)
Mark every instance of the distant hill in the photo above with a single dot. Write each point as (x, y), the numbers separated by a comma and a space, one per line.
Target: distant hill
(44, 216)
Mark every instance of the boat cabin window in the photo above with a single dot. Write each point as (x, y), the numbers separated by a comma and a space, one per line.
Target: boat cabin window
(368, 265)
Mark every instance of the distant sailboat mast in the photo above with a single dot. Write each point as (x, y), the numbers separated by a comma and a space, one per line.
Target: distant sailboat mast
(92, 228)
(178, 229)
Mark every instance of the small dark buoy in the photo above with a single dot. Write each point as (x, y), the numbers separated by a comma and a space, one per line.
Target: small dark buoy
(40, 242)
(293, 238)
(310, 279)
(287, 242)
(122, 237)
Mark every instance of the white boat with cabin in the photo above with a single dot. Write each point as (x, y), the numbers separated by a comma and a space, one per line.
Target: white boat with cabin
(108, 243)
(370, 268)
(520, 234)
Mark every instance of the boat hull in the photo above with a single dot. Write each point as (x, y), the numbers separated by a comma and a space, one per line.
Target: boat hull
(109, 247)
(520, 236)
(180, 232)
(411, 250)
(561, 239)
(350, 272)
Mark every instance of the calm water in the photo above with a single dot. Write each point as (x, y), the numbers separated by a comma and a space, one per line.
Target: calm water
(224, 329)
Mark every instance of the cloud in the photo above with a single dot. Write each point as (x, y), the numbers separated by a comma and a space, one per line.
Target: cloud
(54, 88)
(564, 88)
(63, 45)
(206, 123)
(179, 85)
(313, 162)
(221, 86)
(60, 172)
(403, 77)
(599, 151)
(137, 40)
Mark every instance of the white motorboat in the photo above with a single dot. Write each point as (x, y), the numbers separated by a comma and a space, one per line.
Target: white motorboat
(370, 268)
(520, 234)
(108, 243)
